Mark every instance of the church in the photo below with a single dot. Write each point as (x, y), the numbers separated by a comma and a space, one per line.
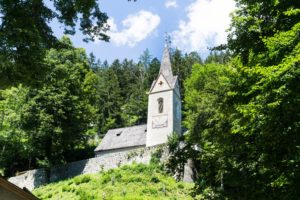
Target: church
(163, 119)
(128, 144)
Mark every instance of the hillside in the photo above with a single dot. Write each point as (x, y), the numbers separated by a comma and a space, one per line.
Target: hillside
(136, 181)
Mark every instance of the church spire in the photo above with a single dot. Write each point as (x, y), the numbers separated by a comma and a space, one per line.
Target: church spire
(165, 67)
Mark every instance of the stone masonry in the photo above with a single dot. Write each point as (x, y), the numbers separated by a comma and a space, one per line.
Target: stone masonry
(35, 178)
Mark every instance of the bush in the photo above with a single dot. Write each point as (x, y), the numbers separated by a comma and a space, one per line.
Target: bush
(66, 188)
(180, 186)
(154, 179)
(150, 190)
(82, 179)
(156, 156)
(105, 179)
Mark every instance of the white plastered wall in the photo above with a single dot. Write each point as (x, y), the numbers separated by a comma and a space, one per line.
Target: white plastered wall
(160, 87)
(159, 135)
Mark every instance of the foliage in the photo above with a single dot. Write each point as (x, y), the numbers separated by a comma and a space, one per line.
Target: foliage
(108, 99)
(52, 122)
(14, 144)
(152, 72)
(121, 95)
(121, 88)
(80, 97)
(157, 155)
(177, 156)
(245, 114)
(145, 59)
(205, 91)
(136, 181)
(26, 35)
(255, 20)
(267, 117)
(218, 57)
(182, 66)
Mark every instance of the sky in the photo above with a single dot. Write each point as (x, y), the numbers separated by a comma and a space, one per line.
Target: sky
(193, 25)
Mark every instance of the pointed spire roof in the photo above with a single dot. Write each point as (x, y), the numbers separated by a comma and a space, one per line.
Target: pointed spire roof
(165, 67)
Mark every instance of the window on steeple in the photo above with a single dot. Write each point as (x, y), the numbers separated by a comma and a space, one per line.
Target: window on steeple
(160, 105)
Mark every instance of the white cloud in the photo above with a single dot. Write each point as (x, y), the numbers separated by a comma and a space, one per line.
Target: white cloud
(206, 25)
(136, 28)
(171, 4)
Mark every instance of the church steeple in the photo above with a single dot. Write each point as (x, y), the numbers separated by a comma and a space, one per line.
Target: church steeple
(165, 67)
(164, 104)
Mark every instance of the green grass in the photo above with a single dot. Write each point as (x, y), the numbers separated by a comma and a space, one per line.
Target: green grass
(136, 181)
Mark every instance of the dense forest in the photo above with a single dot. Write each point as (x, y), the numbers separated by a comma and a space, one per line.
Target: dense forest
(241, 104)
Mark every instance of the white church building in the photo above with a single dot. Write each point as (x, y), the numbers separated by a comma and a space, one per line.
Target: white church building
(164, 116)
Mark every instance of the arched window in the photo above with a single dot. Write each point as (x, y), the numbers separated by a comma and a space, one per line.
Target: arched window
(160, 105)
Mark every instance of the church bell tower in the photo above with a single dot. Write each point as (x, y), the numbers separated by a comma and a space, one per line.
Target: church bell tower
(164, 104)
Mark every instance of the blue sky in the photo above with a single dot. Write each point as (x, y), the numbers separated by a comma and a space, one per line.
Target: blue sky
(193, 25)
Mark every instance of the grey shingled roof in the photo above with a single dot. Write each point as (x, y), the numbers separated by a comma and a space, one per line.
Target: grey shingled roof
(123, 137)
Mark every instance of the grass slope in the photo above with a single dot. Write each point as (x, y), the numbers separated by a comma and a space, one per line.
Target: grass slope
(136, 181)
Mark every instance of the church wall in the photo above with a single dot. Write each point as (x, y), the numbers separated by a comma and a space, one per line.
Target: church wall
(35, 178)
(157, 135)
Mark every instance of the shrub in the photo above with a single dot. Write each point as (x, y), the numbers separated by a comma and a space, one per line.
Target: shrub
(150, 190)
(105, 178)
(180, 186)
(82, 179)
(66, 188)
(156, 156)
(154, 179)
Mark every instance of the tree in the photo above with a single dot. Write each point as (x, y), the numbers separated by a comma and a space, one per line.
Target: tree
(145, 59)
(182, 67)
(121, 93)
(152, 72)
(108, 100)
(255, 20)
(206, 121)
(25, 34)
(218, 57)
(134, 110)
(94, 64)
(247, 120)
(14, 141)
(54, 121)
(266, 118)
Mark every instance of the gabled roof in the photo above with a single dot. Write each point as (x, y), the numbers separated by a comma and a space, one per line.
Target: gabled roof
(172, 84)
(15, 190)
(123, 137)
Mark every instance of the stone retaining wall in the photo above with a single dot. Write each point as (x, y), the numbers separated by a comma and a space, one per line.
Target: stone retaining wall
(35, 178)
